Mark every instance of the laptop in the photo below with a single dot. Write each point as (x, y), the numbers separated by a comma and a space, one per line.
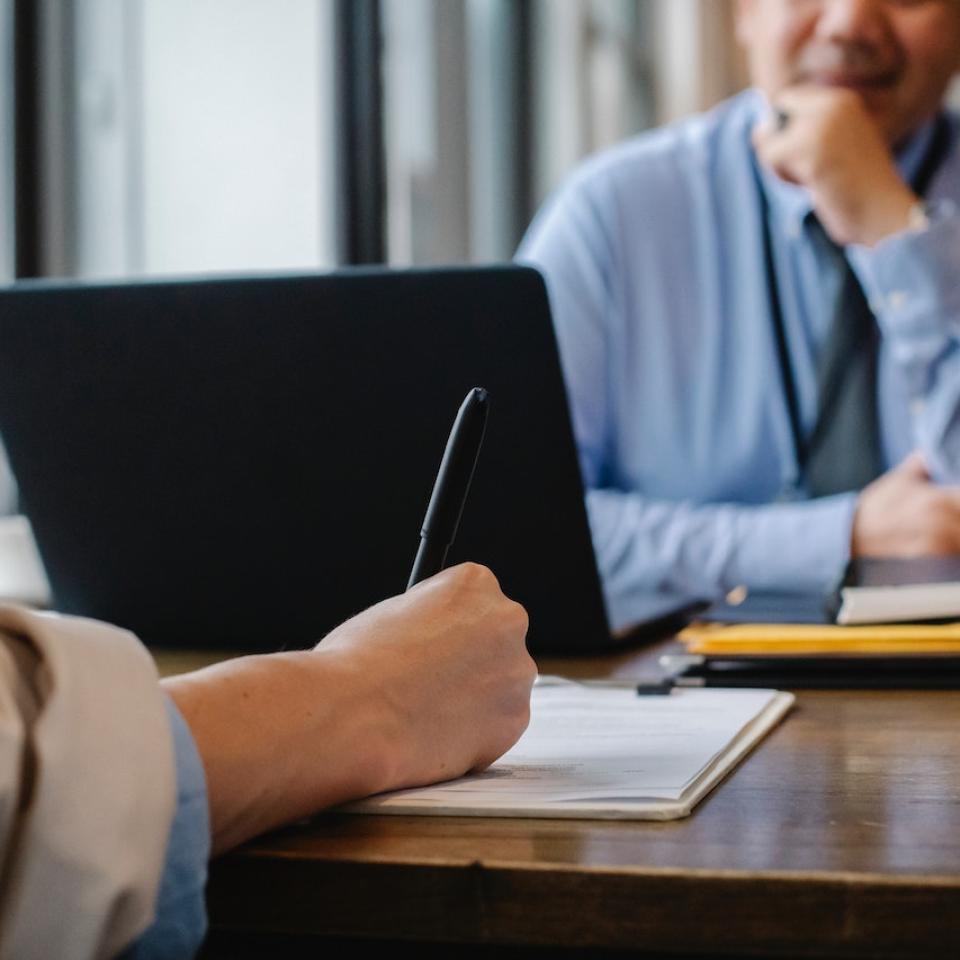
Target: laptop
(244, 463)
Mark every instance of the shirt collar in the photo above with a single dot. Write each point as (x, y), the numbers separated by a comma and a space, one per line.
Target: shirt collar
(791, 203)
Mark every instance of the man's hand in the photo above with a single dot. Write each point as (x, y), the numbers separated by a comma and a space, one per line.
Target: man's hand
(829, 144)
(449, 672)
(422, 687)
(904, 514)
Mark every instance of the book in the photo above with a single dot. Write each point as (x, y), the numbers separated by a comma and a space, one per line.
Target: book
(762, 650)
(838, 670)
(602, 751)
(898, 590)
(872, 591)
(890, 624)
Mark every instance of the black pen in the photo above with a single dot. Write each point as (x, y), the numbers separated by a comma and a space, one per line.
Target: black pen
(451, 487)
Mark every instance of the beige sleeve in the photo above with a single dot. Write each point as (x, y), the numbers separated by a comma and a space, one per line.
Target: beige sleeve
(87, 787)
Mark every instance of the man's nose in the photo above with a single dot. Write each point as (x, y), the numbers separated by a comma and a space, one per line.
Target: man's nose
(852, 21)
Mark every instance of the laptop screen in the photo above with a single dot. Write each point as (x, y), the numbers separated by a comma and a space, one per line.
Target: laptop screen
(246, 462)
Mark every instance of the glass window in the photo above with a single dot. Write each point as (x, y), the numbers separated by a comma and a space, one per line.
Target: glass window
(203, 136)
(488, 103)
(197, 135)
(593, 81)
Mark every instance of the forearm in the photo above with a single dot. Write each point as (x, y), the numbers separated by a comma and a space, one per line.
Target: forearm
(421, 687)
(704, 550)
(282, 736)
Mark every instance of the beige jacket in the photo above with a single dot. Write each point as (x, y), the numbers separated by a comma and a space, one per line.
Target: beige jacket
(87, 787)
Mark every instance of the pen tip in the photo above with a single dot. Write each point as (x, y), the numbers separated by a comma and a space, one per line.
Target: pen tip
(480, 393)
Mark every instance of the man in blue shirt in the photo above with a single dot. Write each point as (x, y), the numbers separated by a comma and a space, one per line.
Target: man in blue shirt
(695, 274)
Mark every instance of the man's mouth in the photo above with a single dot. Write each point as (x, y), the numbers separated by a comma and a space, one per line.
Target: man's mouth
(853, 67)
(863, 82)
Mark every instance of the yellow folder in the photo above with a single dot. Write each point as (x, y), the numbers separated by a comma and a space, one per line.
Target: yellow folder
(794, 639)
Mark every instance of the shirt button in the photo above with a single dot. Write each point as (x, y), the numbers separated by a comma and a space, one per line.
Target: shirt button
(917, 407)
(737, 595)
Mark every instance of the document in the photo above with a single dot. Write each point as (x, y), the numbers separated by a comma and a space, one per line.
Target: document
(603, 751)
(899, 590)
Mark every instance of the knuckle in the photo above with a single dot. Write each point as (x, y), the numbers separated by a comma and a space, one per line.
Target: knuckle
(477, 575)
(531, 676)
(517, 617)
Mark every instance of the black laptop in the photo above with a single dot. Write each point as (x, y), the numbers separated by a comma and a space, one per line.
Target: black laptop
(245, 462)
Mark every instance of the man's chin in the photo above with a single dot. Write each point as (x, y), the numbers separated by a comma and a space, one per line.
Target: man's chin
(879, 97)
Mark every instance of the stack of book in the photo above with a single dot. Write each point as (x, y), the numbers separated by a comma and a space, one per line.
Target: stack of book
(889, 623)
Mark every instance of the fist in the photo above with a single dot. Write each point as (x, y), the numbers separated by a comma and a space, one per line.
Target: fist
(447, 667)
(827, 142)
(904, 514)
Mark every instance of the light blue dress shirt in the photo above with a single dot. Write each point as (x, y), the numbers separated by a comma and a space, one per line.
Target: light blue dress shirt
(181, 918)
(653, 258)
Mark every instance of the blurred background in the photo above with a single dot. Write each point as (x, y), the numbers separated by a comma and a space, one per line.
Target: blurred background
(172, 136)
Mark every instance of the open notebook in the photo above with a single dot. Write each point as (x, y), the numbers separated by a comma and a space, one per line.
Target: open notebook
(600, 750)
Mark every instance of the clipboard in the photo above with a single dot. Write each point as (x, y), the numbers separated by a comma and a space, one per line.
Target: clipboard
(601, 751)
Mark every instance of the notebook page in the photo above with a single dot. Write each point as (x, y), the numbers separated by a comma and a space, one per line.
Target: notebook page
(599, 744)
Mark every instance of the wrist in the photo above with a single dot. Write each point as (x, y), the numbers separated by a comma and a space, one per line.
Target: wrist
(898, 210)
(366, 714)
(919, 217)
(282, 736)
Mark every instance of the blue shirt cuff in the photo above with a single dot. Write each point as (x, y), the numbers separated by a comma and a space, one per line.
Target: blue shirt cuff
(181, 917)
(913, 287)
(804, 545)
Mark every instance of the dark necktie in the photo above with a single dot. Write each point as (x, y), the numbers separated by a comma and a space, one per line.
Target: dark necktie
(843, 451)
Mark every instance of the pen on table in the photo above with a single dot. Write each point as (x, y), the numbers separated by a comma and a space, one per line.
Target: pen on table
(451, 486)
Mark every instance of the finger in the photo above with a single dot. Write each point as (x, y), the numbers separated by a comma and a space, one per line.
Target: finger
(947, 539)
(949, 498)
(954, 546)
(800, 99)
(778, 151)
(915, 466)
(765, 129)
(773, 126)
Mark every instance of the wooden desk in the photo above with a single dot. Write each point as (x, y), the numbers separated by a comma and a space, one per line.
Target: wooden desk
(839, 837)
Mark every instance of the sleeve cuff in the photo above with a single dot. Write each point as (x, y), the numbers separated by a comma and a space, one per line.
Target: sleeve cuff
(181, 917)
(912, 283)
(800, 547)
(703, 551)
